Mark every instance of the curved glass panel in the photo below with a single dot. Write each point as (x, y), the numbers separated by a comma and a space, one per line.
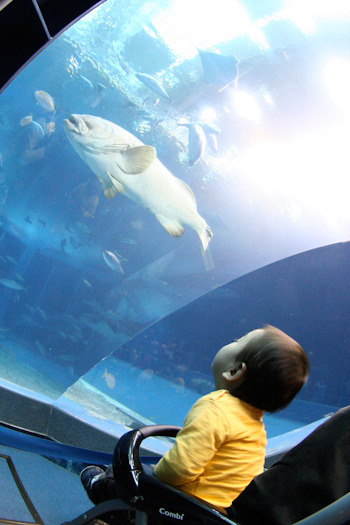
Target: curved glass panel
(247, 110)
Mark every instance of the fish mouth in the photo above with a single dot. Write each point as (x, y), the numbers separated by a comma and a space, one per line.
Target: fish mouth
(75, 124)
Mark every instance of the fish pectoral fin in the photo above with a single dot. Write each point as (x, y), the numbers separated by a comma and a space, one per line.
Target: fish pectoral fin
(109, 187)
(119, 186)
(173, 227)
(137, 160)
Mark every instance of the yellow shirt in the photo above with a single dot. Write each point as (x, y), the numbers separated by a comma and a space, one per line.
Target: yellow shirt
(219, 450)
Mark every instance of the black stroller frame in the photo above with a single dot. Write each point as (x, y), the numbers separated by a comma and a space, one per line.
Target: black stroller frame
(155, 502)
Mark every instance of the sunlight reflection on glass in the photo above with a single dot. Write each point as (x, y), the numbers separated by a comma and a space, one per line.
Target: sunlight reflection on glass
(207, 114)
(311, 169)
(205, 24)
(337, 82)
(246, 105)
(306, 13)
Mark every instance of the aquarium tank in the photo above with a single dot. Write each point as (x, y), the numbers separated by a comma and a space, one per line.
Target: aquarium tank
(173, 175)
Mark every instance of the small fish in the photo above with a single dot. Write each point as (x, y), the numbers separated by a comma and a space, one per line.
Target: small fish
(109, 378)
(13, 285)
(63, 245)
(69, 228)
(40, 347)
(154, 84)
(11, 259)
(124, 66)
(196, 142)
(75, 243)
(41, 314)
(101, 89)
(25, 120)
(27, 219)
(36, 129)
(146, 375)
(42, 222)
(112, 261)
(69, 358)
(45, 100)
(208, 127)
(50, 128)
(87, 82)
(87, 283)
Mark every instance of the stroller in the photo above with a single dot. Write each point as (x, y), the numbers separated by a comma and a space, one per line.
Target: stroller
(152, 502)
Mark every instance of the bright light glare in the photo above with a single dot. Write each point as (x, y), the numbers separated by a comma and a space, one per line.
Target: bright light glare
(311, 170)
(207, 114)
(268, 99)
(305, 13)
(246, 105)
(337, 82)
(189, 24)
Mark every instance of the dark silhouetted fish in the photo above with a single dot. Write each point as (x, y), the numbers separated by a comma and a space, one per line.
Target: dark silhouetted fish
(196, 142)
(75, 243)
(63, 244)
(219, 69)
(153, 84)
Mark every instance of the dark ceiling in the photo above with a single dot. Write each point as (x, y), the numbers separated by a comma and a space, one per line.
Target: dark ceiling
(28, 25)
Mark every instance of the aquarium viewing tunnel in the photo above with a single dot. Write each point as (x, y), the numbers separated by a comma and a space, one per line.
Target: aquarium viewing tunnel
(173, 175)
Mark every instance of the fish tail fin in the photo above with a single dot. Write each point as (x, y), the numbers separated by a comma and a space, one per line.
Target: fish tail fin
(205, 234)
(105, 374)
(208, 260)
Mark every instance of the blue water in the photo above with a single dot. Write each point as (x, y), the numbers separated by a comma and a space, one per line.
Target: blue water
(271, 182)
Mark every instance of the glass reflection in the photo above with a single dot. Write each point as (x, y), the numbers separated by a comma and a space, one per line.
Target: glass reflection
(249, 118)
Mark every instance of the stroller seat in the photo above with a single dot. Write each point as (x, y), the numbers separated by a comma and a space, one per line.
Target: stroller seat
(155, 502)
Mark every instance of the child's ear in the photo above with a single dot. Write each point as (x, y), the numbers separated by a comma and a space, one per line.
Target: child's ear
(235, 373)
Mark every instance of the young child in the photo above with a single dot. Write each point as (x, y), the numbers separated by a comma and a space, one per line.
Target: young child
(221, 446)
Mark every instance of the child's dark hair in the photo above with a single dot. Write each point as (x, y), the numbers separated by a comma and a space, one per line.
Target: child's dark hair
(277, 368)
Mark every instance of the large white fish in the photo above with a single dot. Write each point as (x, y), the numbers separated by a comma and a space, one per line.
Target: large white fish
(123, 163)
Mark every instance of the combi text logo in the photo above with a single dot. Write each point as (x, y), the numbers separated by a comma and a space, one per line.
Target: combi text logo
(174, 515)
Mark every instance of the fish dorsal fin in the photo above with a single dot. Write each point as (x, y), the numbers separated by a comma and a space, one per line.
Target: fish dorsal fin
(137, 160)
(186, 187)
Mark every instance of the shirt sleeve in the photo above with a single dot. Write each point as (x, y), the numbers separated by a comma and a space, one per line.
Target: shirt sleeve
(205, 429)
